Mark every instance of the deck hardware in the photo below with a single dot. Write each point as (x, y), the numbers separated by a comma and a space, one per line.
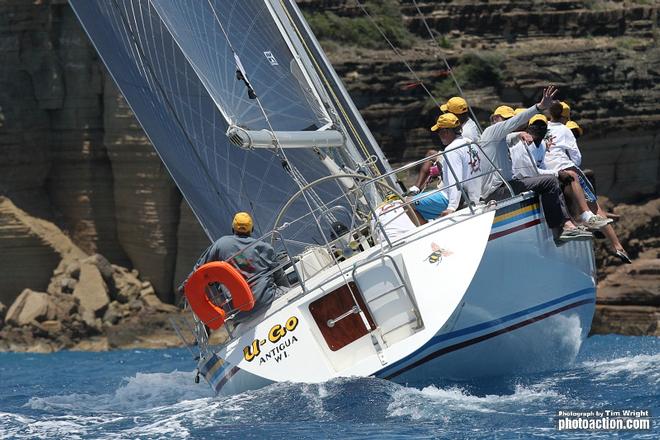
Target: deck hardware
(352, 310)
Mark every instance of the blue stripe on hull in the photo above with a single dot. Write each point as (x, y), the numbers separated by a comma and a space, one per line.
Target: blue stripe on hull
(397, 368)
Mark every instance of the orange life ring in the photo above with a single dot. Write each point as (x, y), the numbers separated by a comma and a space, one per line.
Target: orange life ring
(225, 274)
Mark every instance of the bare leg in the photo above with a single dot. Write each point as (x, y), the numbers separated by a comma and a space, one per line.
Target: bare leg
(608, 230)
(576, 193)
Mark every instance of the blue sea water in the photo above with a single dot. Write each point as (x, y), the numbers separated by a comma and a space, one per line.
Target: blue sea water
(151, 394)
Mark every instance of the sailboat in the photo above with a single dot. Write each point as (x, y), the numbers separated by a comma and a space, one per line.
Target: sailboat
(247, 114)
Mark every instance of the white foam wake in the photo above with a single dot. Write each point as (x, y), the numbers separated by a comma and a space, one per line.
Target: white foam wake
(432, 403)
(140, 392)
(642, 366)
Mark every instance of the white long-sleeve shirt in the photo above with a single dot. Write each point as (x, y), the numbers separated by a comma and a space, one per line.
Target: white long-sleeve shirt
(466, 162)
(528, 159)
(394, 219)
(469, 129)
(493, 143)
(561, 148)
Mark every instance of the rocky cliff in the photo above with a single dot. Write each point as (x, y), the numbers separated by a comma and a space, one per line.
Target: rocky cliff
(73, 153)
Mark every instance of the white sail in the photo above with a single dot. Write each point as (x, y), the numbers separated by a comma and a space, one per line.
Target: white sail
(178, 71)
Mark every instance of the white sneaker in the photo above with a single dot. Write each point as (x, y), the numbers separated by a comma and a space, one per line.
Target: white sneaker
(596, 222)
(576, 233)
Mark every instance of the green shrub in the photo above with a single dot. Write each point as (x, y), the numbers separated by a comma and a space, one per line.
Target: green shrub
(472, 70)
(360, 31)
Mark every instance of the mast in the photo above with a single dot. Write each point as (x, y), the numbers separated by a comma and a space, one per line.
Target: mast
(315, 60)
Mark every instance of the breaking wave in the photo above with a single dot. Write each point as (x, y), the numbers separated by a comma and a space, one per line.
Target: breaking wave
(643, 366)
(171, 405)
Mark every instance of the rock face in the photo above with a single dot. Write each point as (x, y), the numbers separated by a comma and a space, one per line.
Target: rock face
(629, 295)
(146, 200)
(88, 302)
(72, 153)
(30, 249)
(606, 63)
(91, 290)
(30, 306)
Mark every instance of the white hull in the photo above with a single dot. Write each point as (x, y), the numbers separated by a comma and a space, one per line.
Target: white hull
(505, 312)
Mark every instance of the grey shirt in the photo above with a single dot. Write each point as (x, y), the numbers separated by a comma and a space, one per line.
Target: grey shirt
(493, 143)
(256, 261)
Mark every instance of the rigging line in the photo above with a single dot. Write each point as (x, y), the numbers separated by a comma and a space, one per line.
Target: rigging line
(297, 177)
(397, 52)
(449, 69)
(169, 104)
(330, 89)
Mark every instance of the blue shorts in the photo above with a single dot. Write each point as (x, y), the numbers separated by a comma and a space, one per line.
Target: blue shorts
(589, 193)
(430, 206)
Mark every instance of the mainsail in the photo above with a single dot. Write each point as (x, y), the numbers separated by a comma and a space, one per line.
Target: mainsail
(191, 70)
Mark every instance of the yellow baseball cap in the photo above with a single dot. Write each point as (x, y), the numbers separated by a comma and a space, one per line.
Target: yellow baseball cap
(519, 110)
(446, 120)
(565, 110)
(574, 126)
(505, 111)
(242, 223)
(455, 105)
(536, 118)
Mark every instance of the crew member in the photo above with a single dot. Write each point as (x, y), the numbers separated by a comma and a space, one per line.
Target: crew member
(253, 258)
(587, 182)
(494, 144)
(428, 171)
(462, 162)
(459, 107)
(563, 154)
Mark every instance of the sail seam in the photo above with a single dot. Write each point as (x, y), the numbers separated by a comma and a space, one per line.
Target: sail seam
(149, 68)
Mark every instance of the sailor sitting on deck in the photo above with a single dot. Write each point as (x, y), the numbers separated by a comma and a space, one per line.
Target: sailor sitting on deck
(494, 144)
(564, 155)
(392, 218)
(256, 263)
(428, 171)
(462, 162)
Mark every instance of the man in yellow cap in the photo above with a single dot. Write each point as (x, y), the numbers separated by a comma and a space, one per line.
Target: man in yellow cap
(565, 156)
(459, 107)
(575, 129)
(254, 258)
(494, 144)
(528, 152)
(462, 163)
(565, 112)
(493, 141)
